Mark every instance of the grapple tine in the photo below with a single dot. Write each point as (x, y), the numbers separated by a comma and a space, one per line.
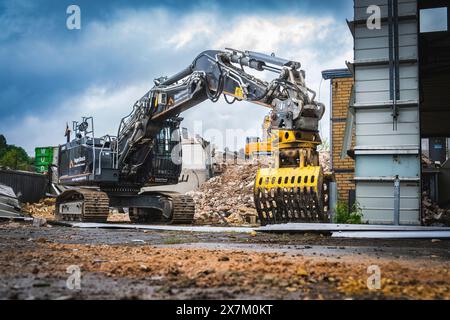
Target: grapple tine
(272, 208)
(298, 201)
(280, 205)
(258, 206)
(287, 211)
(293, 205)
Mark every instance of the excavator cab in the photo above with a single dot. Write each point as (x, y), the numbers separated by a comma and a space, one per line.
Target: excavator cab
(164, 166)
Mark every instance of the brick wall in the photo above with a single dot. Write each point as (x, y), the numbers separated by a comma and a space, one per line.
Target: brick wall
(343, 168)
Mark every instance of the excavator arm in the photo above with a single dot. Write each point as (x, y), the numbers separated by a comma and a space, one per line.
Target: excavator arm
(212, 74)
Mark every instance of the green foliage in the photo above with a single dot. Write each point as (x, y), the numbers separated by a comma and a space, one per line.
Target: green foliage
(344, 215)
(3, 143)
(13, 157)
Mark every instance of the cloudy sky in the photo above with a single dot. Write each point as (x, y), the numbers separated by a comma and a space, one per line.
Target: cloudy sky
(51, 75)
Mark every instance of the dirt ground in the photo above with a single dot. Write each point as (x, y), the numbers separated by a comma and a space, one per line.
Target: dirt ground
(136, 264)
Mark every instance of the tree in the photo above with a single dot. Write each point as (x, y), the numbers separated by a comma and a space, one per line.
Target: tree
(13, 157)
(3, 145)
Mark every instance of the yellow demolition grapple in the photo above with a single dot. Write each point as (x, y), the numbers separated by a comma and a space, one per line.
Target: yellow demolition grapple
(293, 189)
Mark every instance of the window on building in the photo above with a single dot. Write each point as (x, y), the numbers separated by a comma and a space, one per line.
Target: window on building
(433, 20)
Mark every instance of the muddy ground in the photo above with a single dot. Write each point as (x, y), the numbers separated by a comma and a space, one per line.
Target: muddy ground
(136, 264)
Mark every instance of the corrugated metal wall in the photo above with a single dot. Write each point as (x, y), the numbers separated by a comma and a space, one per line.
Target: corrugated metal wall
(384, 150)
(28, 186)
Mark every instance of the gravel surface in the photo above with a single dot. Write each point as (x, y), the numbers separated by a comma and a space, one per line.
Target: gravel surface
(133, 264)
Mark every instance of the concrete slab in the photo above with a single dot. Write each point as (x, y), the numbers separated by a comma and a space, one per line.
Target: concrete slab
(332, 227)
(206, 229)
(392, 234)
(344, 230)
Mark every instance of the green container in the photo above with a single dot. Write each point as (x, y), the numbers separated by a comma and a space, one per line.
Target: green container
(41, 168)
(43, 160)
(44, 152)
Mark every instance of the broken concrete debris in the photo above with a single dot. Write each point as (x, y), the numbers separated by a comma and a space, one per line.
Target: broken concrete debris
(228, 198)
(39, 222)
(324, 159)
(44, 209)
(432, 213)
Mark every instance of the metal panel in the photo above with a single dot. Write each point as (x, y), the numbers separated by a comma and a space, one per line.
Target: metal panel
(55, 162)
(374, 127)
(342, 227)
(384, 150)
(372, 83)
(393, 234)
(405, 28)
(372, 73)
(406, 8)
(29, 187)
(378, 91)
(383, 85)
(387, 165)
(377, 202)
(371, 44)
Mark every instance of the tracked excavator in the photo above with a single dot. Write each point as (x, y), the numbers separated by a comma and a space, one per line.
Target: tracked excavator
(255, 146)
(110, 171)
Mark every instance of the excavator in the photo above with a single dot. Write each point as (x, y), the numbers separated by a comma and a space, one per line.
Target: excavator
(110, 171)
(255, 146)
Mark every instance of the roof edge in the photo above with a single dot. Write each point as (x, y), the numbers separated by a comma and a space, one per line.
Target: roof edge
(336, 73)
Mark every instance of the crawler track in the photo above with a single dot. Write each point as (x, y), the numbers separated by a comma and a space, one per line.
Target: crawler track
(183, 209)
(175, 209)
(87, 205)
(90, 205)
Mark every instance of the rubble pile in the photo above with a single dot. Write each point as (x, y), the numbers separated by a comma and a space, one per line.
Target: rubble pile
(426, 162)
(433, 215)
(228, 198)
(115, 216)
(324, 159)
(44, 209)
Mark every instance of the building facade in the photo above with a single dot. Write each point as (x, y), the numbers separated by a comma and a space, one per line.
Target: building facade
(342, 165)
